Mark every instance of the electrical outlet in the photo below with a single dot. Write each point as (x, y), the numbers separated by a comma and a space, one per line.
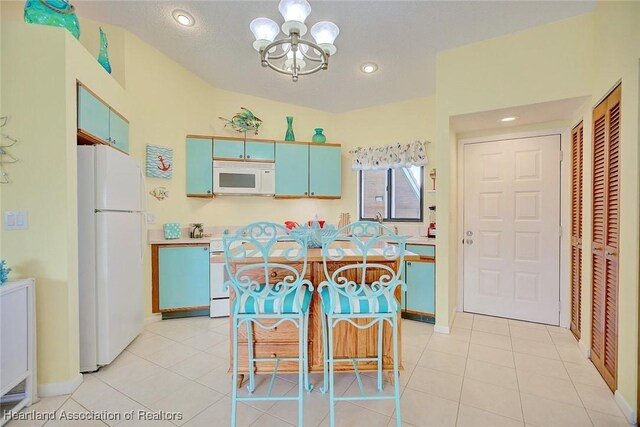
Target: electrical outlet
(151, 218)
(16, 220)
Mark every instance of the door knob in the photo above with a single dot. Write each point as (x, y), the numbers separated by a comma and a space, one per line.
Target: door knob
(469, 242)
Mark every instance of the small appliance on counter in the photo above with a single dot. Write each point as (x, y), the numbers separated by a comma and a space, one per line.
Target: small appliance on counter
(431, 231)
(197, 231)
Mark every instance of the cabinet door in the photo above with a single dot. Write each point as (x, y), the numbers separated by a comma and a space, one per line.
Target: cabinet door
(228, 149)
(93, 115)
(325, 169)
(292, 169)
(428, 250)
(118, 131)
(420, 278)
(183, 274)
(263, 151)
(199, 167)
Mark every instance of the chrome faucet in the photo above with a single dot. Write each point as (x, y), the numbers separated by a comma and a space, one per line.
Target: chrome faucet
(378, 217)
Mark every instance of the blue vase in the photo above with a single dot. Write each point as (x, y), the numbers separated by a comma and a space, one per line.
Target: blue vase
(289, 136)
(103, 57)
(57, 13)
(319, 136)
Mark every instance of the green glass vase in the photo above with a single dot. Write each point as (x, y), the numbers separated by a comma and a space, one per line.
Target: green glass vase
(319, 136)
(57, 13)
(289, 136)
(103, 57)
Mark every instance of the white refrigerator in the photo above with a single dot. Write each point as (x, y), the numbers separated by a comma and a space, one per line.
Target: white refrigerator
(111, 245)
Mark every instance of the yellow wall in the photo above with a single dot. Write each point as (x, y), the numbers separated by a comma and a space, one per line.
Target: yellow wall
(581, 56)
(404, 121)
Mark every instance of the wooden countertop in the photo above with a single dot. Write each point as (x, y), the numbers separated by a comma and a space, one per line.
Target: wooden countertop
(315, 255)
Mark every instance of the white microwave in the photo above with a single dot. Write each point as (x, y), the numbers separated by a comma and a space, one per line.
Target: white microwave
(244, 178)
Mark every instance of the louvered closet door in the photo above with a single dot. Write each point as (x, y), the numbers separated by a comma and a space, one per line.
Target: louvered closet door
(606, 232)
(576, 226)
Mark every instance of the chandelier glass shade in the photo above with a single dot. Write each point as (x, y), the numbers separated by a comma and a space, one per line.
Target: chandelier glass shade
(294, 55)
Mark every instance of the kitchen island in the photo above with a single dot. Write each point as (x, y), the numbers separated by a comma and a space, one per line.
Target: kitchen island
(282, 341)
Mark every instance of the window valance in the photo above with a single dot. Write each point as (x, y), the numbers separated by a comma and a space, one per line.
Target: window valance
(397, 155)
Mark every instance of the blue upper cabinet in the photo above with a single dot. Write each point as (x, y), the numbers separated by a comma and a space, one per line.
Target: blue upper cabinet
(100, 124)
(118, 131)
(199, 167)
(259, 151)
(325, 171)
(228, 149)
(93, 115)
(292, 170)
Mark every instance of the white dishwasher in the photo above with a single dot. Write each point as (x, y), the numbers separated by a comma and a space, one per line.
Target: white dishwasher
(219, 297)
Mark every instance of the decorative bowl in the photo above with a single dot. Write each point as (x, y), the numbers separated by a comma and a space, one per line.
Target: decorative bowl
(314, 234)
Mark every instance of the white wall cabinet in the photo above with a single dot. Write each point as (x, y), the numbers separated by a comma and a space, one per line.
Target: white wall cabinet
(17, 346)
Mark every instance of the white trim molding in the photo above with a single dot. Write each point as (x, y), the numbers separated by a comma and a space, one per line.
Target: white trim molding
(58, 389)
(624, 406)
(584, 348)
(156, 317)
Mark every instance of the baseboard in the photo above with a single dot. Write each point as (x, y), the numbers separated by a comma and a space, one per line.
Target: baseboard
(624, 406)
(586, 351)
(58, 389)
(442, 329)
(156, 317)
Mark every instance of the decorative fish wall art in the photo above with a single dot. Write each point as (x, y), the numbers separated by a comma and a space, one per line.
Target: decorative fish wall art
(243, 121)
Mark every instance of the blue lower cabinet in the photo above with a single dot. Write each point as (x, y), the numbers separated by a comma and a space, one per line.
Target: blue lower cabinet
(420, 277)
(183, 277)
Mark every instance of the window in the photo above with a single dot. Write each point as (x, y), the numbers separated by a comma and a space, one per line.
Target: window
(396, 194)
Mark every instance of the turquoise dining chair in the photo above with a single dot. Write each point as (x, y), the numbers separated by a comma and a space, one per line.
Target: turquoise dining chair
(266, 289)
(360, 288)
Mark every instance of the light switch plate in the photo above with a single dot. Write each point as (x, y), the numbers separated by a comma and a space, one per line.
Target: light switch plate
(16, 220)
(151, 218)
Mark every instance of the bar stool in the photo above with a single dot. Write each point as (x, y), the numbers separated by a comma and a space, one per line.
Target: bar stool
(267, 289)
(349, 294)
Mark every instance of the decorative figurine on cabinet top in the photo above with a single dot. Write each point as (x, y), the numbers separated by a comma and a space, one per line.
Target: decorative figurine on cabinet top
(4, 272)
(289, 136)
(103, 56)
(319, 136)
(243, 121)
(57, 13)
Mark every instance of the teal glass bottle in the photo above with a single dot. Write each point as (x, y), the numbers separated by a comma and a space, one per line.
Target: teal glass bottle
(319, 136)
(103, 57)
(57, 13)
(289, 136)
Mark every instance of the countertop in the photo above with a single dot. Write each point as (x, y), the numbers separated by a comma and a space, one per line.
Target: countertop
(159, 240)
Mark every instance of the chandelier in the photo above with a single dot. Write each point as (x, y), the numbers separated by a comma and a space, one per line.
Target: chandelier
(294, 55)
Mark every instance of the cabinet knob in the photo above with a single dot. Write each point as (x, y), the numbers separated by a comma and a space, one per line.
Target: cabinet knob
(274, 274)
(208, 191)
(205, 249)
(248, 157)
(312, 193)
(305, 193)
(409, 263)
(240, 156)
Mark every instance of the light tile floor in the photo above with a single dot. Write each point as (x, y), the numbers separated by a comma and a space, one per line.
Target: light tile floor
(487, 372)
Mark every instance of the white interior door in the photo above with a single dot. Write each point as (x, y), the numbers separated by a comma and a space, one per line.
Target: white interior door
(512, 228)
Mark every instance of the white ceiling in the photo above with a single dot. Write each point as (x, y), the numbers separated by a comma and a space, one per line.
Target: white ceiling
(402, 37)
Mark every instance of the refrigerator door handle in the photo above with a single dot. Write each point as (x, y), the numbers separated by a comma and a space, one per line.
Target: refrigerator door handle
(143, 234)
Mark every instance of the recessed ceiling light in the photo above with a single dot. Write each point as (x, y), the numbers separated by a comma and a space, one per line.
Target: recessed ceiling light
(183, 18)
(509, 119)
(369, 67)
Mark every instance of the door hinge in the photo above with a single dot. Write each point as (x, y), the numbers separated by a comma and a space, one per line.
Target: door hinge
(560, 231)
(561, 156)
(559, 306)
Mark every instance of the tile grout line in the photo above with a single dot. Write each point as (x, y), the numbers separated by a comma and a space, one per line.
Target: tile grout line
(464, 373)
(517, 379)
